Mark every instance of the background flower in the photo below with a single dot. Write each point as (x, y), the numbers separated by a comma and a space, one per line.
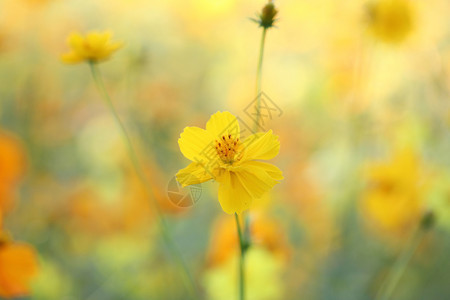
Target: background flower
(394, 200)
(18, 265)
(93, 47)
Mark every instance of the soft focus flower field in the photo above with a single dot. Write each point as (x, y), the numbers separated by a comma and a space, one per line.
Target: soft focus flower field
(352, 203)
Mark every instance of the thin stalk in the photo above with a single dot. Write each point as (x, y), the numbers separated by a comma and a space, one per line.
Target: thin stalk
(244, 238)
(387, 288)
(258, 118)
(187, 278)
(258, 78)
(241, 259)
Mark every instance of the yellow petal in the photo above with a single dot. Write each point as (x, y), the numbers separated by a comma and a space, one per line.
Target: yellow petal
(258, 178)
(111, 47)
(223, 124)
(77, 43)
(71, 58)
(108, 49)
(97, 40)
(95, 46)
(233, 197)
(271, 170)
(75, 40)
(261, 146)
(197, 145)
(194, 173)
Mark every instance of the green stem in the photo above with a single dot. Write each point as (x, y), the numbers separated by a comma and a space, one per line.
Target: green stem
(244, 237)
(241, 259)
(258, 79)
(258, 119)
(387, 288)
(187, 278)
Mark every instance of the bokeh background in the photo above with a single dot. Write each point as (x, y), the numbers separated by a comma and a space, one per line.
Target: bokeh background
(363, 87)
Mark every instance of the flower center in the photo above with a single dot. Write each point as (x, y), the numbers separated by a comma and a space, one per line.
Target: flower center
(228, 149)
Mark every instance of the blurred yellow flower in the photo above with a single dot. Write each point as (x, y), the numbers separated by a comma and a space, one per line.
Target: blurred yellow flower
(219, 153)
(93, 47)
(390, 21)
(393, 200)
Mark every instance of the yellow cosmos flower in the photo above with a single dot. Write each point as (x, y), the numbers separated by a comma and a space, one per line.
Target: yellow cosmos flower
(391, 21)
(94, 47)
(219, 153)
(394, 198)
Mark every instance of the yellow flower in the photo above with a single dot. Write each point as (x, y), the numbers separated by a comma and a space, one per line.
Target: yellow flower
(394, 198)
(391, 21)
(94, 47)
(219, 153)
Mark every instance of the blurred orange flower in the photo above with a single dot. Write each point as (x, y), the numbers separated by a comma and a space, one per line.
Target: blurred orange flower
(137, 207)
(265, 260)
(130, 210)
(12, 168)
(93, 47)
(264, 232)
(18, 265)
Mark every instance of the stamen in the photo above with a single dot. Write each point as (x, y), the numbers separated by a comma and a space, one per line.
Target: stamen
(228, 149)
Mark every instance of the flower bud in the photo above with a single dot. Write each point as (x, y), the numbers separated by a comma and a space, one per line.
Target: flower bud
(267, 17)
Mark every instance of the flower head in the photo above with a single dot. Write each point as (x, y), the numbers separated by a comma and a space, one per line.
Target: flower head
(391, 21)
(219, 153)
(393, 201)
(267, 16)
(93, 47)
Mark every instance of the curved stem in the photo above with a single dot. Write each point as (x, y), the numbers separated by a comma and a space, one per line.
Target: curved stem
(241, 259)
(187, 278)
(387, 288)
(258, 79)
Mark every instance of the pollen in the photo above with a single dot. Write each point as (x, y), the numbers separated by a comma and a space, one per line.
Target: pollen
(228, 148)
